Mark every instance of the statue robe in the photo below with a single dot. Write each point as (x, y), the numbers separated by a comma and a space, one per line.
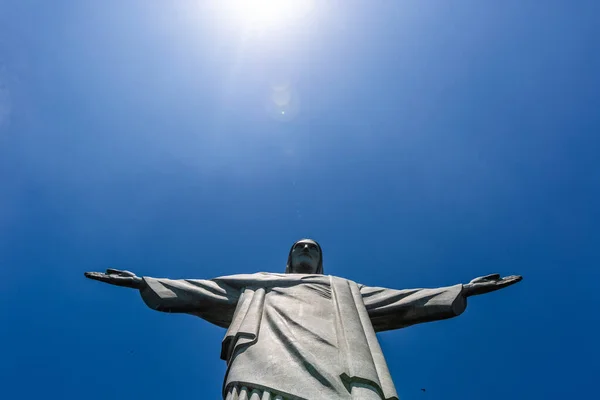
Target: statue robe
(303, 336)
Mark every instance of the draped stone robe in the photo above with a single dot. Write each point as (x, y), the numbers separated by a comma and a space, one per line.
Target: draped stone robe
(304, 336)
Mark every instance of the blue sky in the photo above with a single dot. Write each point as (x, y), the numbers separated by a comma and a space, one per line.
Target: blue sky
(421, 143)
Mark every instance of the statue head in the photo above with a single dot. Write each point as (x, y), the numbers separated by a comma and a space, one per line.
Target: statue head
(305, 257)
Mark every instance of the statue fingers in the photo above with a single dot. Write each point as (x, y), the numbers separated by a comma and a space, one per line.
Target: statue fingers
(118, 272)
(510, 280)
(491, 277)
(112, 271)
(97, 276)
(486, 278)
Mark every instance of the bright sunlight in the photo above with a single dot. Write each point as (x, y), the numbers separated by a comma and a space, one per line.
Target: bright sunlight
(266, 14)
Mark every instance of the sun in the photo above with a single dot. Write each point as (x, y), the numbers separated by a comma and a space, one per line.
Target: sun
(266, 14)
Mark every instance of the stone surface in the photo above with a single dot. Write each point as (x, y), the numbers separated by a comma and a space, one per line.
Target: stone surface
(303, 334)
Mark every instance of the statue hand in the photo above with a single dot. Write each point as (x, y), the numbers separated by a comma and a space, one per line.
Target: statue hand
(489, 283)
(116, 277)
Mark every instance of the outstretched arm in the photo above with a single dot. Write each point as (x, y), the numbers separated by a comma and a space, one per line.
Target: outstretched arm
(394, 309)
(212, 300)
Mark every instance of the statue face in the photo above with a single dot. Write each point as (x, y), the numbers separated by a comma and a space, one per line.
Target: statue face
(305, 257)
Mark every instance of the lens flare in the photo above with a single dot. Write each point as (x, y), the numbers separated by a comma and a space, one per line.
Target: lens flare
(283, 102)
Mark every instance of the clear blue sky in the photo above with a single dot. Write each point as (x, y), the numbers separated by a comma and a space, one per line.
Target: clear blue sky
(422, 143)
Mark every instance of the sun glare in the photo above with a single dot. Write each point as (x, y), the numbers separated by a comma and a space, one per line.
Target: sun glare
(267, 14)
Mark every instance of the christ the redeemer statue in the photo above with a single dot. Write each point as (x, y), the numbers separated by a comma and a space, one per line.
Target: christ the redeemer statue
(303, 335)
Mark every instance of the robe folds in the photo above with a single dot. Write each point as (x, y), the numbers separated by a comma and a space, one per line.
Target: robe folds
(309, 337)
